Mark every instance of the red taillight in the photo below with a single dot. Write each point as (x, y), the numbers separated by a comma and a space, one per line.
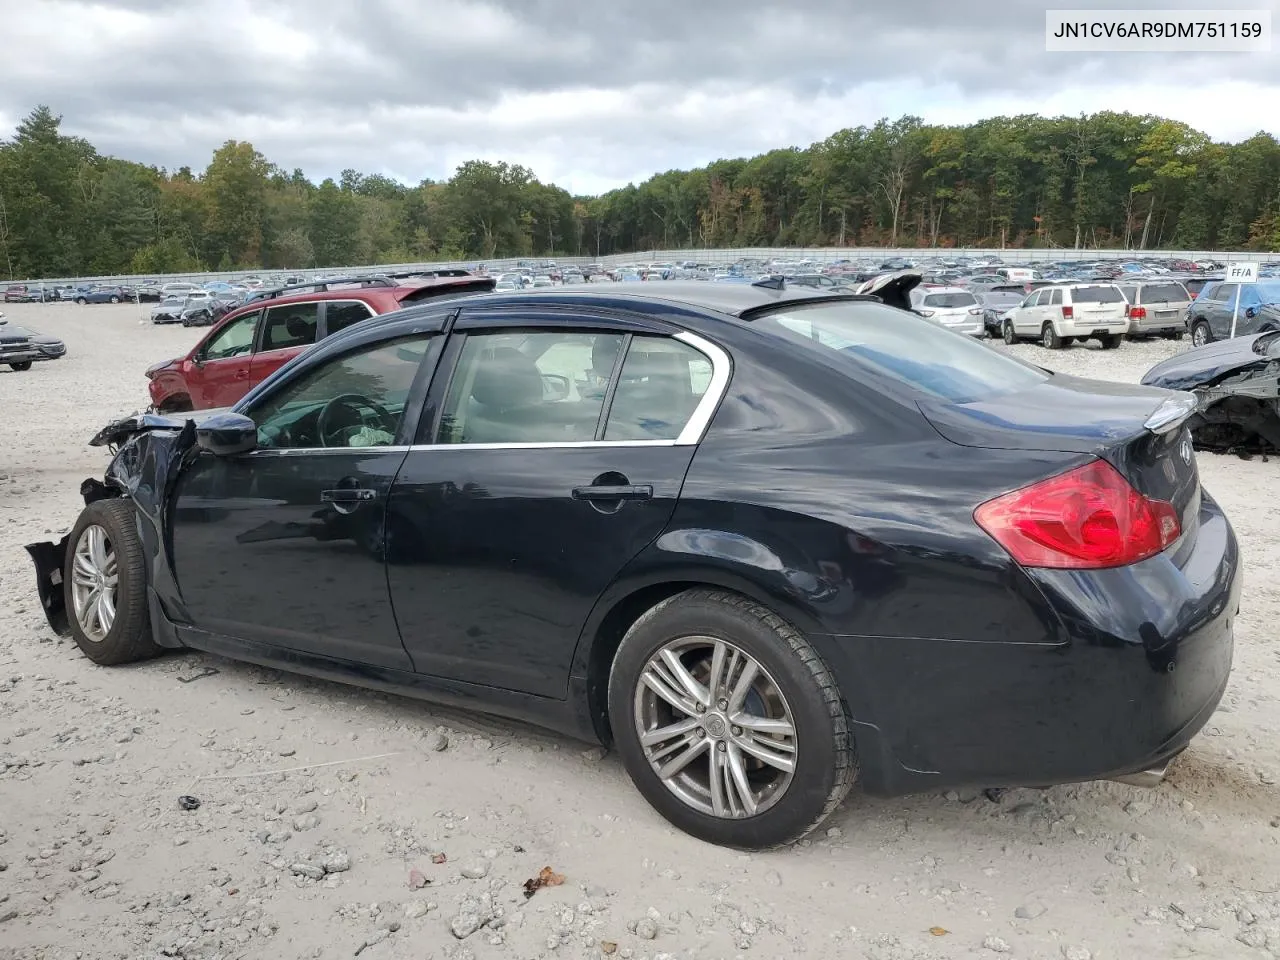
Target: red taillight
(1068, 312)
(1136, 313)
(1087, 518)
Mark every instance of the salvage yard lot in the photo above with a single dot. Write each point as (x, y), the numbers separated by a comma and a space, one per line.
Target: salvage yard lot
(97, 858)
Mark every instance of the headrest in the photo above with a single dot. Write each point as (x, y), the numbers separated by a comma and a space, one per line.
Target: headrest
(604, 353)
(298, 327)
(654, 364)
(507, 378)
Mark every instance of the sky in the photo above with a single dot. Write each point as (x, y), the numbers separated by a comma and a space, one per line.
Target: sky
(589, 95)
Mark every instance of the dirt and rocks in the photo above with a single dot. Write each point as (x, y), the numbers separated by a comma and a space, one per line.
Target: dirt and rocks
(334, 822)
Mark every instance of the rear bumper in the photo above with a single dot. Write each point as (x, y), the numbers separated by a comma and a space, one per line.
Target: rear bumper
(1144, 662)
(1090, 328)
(1161, 325)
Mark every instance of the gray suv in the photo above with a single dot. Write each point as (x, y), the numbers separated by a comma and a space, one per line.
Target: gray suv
(1157, 308)
(1258, 311)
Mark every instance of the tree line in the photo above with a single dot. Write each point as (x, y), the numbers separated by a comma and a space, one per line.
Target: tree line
(1099, 181)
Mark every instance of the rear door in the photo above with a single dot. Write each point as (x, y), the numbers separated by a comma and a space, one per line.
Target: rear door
(554, 451)
(286, 330)
(222, 365)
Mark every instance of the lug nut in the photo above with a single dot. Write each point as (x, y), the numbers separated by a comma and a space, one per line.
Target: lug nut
(700, 708)
(722, 704)
(737, 731)
(722, 746)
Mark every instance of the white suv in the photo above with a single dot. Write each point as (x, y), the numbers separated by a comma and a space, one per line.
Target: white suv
(1060, 313)
(950, 307)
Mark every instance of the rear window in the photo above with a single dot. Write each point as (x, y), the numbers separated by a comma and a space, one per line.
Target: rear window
(1163, 293)
(1096, 295)
(945, 300)
(862, 336)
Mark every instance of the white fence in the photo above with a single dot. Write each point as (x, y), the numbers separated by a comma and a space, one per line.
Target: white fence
(719, 256)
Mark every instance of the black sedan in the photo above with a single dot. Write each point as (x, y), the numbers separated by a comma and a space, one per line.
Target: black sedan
(1236, 383)
(21, 347)
(767, 542)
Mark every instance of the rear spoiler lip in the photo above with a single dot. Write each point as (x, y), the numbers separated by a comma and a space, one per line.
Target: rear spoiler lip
(1172, 413)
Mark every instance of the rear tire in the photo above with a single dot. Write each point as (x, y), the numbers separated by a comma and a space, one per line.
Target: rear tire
(791, 689)
(115, 299)
(1007, 331)
(1110, 341)
(21, 365)
(105, 585)
(1201, 334)
(1049, 338)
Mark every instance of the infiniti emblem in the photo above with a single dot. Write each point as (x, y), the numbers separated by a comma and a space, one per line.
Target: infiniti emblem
(715, 727)
(1184, 449)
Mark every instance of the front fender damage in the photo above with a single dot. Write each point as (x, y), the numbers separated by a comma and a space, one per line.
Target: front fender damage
(144, 469)
(1239, 413)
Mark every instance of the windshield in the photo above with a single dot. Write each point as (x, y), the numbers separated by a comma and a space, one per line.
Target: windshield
(1097, 295)
(945, 300)
(859, 336)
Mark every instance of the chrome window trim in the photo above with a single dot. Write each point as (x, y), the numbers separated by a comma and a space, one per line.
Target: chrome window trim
(691, 435)
(299, 451)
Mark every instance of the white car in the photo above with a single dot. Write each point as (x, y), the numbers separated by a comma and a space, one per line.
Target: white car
(950, 307)
(1059, 314)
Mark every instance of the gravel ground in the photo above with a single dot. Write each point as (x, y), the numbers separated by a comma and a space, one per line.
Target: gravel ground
(335, 822)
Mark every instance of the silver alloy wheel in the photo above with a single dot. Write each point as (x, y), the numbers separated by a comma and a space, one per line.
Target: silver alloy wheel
(715, 727)
(1199, 335)
(1046, 337)
(94, 579)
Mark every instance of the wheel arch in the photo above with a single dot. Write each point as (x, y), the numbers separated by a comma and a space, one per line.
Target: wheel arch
(629, 598)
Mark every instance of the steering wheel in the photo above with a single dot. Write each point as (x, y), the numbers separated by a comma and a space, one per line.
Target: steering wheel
(352, 402)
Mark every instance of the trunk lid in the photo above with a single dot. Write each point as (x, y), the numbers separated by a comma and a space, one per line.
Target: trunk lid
(1139, 430)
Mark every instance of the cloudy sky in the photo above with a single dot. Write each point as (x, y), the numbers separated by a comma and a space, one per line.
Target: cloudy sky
(590, 95)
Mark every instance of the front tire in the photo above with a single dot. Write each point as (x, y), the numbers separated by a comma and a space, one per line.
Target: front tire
(81, 300)
(728, 721)
(1007, 331)
(105, 585)
(21, 366)
(1110, 341)
(1200, 334)
(1049, 338)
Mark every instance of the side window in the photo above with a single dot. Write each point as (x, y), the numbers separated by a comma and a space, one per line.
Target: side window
(233, 340)
(1032, 300)
(1249, 296)
(1226, 293)
(1055, 300)
(290, 325)
(1209, 293)
(354, 400)
(339, 316)
(659, 386)
(529, 387)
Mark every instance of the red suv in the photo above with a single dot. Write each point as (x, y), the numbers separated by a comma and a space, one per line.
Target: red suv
(254, 340)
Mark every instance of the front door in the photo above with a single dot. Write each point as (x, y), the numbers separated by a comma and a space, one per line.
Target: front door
(556, 453)
(223, 363)
(284, 546)
(1026, 319)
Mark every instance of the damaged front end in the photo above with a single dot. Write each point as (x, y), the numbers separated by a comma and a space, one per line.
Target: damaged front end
(148, 450)
(1237, 388)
